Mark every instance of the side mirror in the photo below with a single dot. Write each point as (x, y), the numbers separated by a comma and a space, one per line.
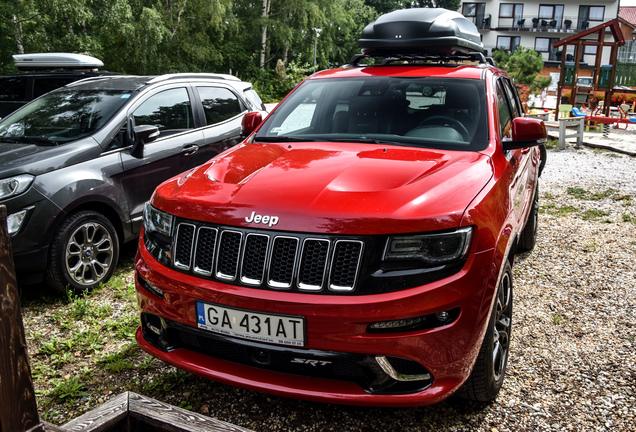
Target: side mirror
(142, 135)
(526, 132)
(251, 120)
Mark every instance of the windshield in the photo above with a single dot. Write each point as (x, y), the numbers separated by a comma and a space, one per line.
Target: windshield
(427, 112)
(62, 116)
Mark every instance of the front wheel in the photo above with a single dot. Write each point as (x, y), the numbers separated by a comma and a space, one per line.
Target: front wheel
(83, 254)
(487, 377)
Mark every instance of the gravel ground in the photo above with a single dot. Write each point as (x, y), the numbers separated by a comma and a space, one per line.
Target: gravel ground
(572, 365)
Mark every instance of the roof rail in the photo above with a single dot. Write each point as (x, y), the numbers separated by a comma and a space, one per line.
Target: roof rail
(437, 57)
(188, 75)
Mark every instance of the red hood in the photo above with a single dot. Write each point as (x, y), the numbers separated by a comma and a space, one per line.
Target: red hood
(330, 188)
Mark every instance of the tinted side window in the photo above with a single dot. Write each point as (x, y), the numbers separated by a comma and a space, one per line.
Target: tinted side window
(505, 116)
(254, 98)
(219, 104)
(512, 97)
(45, 85)
(13, 89)
(170, 111)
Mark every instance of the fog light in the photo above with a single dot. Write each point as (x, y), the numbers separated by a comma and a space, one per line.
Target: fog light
(442, 316)
(15, 221)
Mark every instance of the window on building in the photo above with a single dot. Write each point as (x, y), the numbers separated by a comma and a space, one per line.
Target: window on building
(511, 10)
(475, 11)
(590, 13)
(551, 15)
(589, 50)
(546, 45)
(511, 14)
(508, 43)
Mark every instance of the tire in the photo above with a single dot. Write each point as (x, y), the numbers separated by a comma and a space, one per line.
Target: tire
(83, 254)
(528, 237)
(489, 372)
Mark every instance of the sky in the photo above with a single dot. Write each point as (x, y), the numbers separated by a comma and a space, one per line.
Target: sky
(628, 2)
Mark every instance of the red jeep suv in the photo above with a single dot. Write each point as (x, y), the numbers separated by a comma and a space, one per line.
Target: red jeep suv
(357, 247)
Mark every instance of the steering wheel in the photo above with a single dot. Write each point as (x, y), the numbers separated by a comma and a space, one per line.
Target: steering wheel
(448, 121)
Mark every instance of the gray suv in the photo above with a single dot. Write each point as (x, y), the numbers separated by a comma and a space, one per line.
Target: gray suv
(78, 164)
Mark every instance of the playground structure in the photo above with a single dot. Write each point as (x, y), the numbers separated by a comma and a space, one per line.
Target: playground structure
(619, 121)
(603, 75)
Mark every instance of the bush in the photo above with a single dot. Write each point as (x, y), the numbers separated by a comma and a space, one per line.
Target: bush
(274, 84)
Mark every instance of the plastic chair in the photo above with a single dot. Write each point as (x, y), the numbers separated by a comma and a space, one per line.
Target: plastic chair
(565, 110)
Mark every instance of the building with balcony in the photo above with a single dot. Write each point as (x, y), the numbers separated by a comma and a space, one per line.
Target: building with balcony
(539, 24)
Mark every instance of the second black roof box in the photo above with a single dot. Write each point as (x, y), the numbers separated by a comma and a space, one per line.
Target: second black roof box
(420, 31)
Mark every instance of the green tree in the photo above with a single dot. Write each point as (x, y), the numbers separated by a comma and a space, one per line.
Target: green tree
(524, 66)
(385, 6)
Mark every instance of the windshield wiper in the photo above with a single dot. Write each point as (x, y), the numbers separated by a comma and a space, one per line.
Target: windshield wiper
(282, 139)
(366, 141)
(30, 140)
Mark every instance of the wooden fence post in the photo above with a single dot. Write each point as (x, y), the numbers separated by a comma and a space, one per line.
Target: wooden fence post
(18, 409)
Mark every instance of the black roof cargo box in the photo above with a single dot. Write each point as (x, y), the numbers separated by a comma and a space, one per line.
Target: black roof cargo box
(423, 31)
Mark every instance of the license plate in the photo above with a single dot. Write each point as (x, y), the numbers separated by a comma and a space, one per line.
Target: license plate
(257, 326)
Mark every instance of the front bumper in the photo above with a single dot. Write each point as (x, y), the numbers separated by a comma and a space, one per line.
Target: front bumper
(341, 362)
(30, 244)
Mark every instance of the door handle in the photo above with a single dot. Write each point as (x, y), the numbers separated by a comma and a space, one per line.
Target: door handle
(190, 149)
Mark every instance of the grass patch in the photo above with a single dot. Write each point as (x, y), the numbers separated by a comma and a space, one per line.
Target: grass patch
(595, 215)
(560, 211)
(552, 144)
(586, 195)
(68, 389)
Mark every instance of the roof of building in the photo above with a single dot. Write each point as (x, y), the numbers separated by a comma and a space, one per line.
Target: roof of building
(628, 13)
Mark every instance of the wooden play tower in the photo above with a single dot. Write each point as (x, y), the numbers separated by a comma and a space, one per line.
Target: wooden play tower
(603, 75)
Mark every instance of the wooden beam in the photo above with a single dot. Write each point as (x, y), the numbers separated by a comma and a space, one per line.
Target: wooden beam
(18, 409)
(131, 411)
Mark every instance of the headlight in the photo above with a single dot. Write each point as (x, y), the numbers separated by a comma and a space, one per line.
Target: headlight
(156, 221)
(15, 185)
(438, 248)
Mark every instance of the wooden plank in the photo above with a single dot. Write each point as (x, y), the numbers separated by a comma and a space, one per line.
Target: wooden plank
(48, 427)
(148, 414)
(18, 409)
(102, 418)
(174, 419)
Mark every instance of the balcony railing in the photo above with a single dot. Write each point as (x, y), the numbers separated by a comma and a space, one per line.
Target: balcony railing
(532, 23)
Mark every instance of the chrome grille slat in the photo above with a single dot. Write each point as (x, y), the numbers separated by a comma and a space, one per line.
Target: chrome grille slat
(345, 264)
(204, 250)
(183, 246)
(254, 259)
(227, 260)
(313, 264)
(283, 262)
(265, 259)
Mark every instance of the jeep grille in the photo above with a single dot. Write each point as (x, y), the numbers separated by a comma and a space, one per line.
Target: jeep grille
(260, 258)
